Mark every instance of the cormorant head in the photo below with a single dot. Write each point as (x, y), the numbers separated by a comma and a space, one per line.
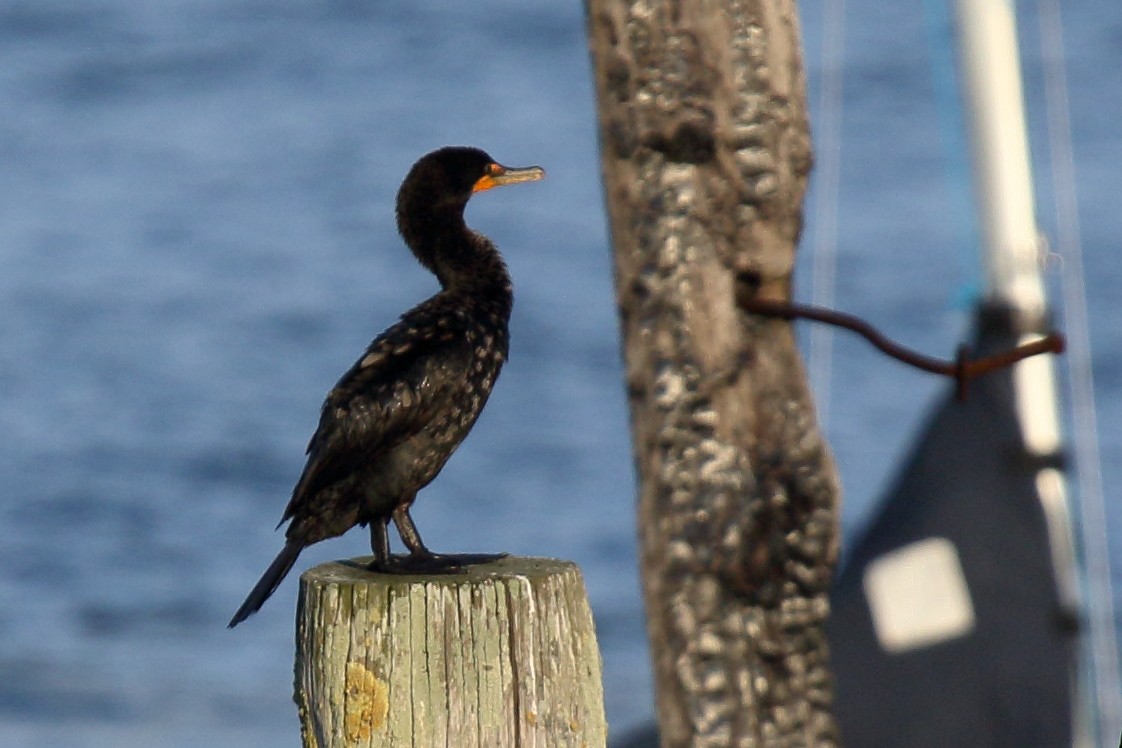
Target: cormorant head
(448, 177)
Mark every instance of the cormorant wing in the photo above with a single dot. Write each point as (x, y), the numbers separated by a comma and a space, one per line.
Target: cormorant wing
(399, 385)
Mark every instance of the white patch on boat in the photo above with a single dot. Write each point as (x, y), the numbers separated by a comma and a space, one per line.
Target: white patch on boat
(918, 596)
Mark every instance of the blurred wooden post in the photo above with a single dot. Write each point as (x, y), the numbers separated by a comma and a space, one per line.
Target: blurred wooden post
(503, 655)
(705, 149)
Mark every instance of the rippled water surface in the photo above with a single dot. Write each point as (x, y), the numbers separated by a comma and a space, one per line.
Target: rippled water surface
(196, 239)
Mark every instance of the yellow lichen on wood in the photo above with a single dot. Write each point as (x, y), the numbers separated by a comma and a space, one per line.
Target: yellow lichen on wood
(366, 705)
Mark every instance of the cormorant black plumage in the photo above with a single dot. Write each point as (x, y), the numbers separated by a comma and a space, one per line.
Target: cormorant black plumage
(396, 416)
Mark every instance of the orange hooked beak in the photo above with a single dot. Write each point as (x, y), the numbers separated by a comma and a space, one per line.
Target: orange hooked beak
(497, 175)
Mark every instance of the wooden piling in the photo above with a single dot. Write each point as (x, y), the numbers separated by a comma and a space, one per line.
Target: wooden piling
(502, 655)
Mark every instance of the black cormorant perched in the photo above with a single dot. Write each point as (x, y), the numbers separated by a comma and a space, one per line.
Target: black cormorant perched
(394, 419)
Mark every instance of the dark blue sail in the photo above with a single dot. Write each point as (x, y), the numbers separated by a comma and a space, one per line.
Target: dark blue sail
(947, 625)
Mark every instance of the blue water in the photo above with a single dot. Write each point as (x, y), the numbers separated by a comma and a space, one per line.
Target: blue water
(196, 238)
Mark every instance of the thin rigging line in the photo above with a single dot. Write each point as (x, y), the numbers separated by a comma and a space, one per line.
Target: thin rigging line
(826, 200)
(1085, 438)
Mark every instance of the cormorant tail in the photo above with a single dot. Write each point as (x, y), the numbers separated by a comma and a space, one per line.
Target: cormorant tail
(268, 583)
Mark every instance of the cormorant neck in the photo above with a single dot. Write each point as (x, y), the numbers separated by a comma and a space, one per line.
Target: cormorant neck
(461, 259)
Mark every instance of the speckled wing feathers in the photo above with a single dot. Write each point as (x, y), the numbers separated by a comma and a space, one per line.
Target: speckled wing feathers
(389, 394)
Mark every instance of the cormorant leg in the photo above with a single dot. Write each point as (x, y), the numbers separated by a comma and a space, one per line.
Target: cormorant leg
(380, 544)
(423, 560)
(409, 534)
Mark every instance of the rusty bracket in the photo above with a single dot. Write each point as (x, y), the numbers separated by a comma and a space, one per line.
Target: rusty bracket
(962, 369)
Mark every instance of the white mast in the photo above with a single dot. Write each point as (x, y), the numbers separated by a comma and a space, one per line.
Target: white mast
(991, 71)
(1012, 251)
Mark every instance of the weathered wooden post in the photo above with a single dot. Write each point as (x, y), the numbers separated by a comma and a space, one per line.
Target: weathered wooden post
(502, 655)
(706, 150)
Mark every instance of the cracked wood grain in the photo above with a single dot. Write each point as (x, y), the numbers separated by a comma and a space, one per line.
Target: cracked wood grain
(502, 655)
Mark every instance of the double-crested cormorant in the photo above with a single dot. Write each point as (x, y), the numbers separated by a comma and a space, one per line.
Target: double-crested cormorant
(394, 419)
